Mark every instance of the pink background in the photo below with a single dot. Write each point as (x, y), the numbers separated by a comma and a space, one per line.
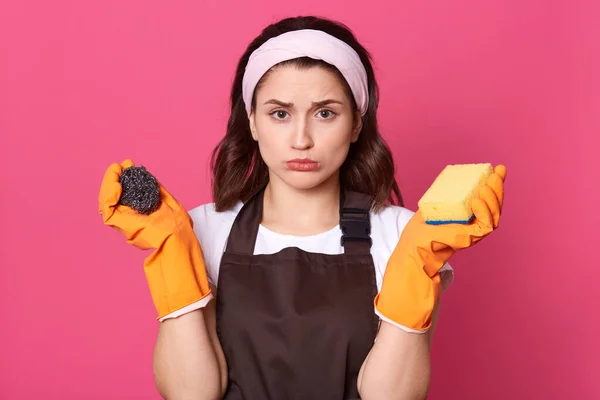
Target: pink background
(84, 84)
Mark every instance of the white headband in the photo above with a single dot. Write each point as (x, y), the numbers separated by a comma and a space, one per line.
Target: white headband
(307, 43)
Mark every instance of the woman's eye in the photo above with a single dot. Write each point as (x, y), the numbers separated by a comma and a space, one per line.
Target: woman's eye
(326, 114)
(279, 114)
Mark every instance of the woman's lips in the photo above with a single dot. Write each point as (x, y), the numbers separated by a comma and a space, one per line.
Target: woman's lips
(302, 164)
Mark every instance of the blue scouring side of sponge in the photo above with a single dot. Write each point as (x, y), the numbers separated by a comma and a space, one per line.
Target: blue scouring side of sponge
(445, 222)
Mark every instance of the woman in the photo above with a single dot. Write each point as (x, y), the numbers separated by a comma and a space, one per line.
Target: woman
(326, 287)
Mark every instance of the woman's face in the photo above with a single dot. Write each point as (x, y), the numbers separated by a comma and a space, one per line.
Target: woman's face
(304, 125)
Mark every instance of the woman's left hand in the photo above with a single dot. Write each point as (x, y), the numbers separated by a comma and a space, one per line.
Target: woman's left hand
(411, 284)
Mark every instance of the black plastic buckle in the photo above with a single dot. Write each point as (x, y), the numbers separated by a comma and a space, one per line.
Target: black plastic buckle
(355, 227)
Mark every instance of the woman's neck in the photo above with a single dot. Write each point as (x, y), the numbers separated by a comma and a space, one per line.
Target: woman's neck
(299, 212)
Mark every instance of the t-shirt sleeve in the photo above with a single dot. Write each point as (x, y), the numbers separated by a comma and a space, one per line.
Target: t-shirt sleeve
(212, 230)
(204, 224)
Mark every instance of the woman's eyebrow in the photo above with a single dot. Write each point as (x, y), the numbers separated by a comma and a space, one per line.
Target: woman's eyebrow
(325, 102)
(279, 103)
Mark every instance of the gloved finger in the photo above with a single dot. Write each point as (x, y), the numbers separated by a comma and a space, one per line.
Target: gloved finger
(127, 221)
(111, 195)
(501, 171)
(496, 183)
(489, 197)
(111, 175)
(143, 231)
(127, 163)
(483, 216)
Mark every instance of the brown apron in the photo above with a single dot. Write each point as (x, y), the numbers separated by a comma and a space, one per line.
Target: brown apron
(295, 324)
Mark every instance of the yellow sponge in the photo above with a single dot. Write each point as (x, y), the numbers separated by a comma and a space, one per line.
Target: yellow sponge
(448, 199)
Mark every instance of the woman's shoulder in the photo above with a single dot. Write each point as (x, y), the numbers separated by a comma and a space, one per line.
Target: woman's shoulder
(207, 213)
(212, 230)
(389, 222)
(393, 211)
(211, 225)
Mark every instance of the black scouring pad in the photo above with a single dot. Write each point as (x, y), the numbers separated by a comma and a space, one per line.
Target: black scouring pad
(140, 190)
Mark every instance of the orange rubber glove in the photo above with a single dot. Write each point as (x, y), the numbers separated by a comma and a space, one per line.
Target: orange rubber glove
(175, 270)
(412, 284)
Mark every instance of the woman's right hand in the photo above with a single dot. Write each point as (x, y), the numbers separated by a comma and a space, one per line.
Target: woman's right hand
(175, 270)
(142, 231)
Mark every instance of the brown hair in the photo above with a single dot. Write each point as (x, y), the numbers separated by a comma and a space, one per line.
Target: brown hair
(237, 166)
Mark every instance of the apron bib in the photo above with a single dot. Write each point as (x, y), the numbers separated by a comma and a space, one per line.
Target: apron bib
(296, 324)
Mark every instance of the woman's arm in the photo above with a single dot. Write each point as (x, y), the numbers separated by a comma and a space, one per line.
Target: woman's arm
(398, 366)
(188, 358)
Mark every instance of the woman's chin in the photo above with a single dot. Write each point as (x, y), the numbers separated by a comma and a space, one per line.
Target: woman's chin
(307, 180)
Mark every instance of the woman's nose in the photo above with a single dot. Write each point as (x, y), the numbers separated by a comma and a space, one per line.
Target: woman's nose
(302, 137)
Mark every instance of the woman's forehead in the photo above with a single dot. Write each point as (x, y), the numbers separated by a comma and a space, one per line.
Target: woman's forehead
(286, 83)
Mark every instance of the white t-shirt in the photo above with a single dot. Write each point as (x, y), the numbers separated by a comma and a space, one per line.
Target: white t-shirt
(212, 229)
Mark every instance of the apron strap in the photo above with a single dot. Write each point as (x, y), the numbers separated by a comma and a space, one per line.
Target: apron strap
(354, 222)
(242, 237)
